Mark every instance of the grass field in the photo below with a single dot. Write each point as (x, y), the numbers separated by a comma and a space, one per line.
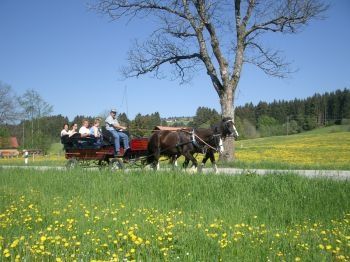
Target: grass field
(83, 215)
(324, 148)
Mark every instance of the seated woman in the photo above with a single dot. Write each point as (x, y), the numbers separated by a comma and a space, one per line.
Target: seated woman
(64, 131)
(64, 134)
(73, 130)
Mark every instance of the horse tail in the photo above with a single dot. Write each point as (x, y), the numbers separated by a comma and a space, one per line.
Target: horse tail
(153, 148)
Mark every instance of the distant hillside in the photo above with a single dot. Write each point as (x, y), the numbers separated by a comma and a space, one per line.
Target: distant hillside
(295, 116)
(322, 148)
(177, 120)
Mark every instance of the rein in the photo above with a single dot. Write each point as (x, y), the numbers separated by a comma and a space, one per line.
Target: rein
(205, 143)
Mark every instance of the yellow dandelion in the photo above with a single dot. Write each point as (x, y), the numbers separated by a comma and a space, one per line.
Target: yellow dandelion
(6, 252)
(14, 243)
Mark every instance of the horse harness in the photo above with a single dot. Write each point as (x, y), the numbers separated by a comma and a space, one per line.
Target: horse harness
(216, 138)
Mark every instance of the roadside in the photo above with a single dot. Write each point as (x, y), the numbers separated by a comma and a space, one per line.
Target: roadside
(331, 174)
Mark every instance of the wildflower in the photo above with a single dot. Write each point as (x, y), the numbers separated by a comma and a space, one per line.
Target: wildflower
(14, 243)
(6, 252)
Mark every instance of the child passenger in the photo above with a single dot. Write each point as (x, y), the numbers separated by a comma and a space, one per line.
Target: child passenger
(96, 131)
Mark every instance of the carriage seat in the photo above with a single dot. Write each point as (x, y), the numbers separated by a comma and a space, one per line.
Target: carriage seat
(108, 138)
(76, 141)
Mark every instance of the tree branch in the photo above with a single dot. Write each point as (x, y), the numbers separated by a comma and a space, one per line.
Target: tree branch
(270, 62)
(289, 16)
(150, 56)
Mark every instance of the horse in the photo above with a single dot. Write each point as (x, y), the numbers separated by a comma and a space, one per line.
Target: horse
(183, 142)
(171, 144)
(209, 141)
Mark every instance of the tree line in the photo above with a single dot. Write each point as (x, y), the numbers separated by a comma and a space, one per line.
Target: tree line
(36, 128)
(290, 117)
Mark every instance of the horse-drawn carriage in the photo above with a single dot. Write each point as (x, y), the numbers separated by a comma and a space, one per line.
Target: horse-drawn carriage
(89, 151)
(171, 144)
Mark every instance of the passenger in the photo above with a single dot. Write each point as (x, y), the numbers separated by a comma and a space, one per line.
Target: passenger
(96, 131)
(64, 131)
(113, 126)
(84, 131)
(73, 129)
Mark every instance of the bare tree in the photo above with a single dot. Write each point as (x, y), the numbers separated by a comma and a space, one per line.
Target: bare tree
(8, 109)
(218, 35)
(34, 108)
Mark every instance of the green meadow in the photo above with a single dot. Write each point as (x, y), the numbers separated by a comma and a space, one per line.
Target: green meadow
(82, 215)
(323, 148)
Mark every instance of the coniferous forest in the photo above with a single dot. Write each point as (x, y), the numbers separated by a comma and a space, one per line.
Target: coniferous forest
(290, 117)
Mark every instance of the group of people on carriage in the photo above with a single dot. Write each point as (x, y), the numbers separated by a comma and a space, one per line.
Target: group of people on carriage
(164, 142)
(95, 135)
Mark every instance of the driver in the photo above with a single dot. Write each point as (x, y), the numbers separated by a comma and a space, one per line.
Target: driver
(113, 126)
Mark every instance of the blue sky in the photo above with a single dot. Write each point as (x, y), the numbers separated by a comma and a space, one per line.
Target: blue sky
(71, 57)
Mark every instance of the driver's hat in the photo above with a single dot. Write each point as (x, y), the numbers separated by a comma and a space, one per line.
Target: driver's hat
(113, 110)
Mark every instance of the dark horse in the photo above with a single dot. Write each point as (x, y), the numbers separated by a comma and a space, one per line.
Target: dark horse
(209, 141)
(183, 142)
(171, 144)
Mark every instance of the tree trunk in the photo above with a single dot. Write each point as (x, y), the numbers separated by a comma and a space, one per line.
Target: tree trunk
(226, 102)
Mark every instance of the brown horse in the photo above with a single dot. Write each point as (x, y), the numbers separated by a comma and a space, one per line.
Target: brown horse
(171, 144)
(209, 141)
(175, 143)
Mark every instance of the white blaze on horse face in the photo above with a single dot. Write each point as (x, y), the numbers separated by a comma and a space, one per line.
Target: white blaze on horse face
(235, 130)
(221, 146)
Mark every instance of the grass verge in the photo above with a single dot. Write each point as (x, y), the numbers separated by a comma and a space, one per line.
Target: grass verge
(89, 215)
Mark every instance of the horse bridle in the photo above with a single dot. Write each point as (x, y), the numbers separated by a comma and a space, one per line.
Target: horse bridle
(233, 126)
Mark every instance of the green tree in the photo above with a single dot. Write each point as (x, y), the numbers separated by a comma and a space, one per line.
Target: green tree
(268, 126)
(205, 117)
(123, 119)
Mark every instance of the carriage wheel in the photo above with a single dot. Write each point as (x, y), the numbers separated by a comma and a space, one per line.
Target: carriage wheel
(116, 164)
(102, 164)
(71, 163)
